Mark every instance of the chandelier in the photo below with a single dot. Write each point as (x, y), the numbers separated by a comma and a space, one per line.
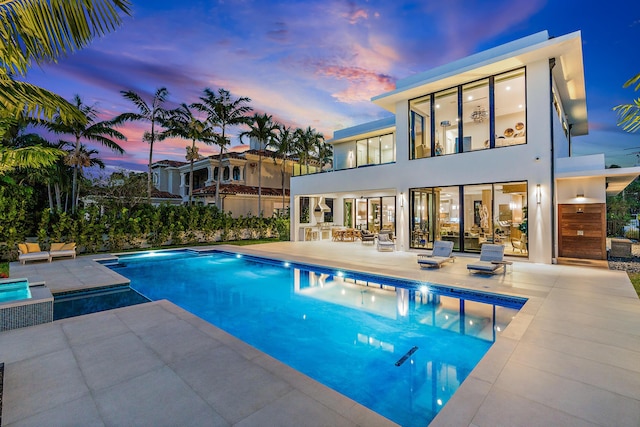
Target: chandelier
(479, 115)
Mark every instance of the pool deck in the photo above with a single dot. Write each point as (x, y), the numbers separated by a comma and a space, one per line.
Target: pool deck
(571, 356)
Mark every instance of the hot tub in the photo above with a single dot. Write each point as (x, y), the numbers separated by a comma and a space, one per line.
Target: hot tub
(14, 290)
(23, 304)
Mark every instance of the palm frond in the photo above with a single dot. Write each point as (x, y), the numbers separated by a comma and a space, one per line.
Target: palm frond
(28, 157)
(43, 30)
(629, 116)
(20, 98)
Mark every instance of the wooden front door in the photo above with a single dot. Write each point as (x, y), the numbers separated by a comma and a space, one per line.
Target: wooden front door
(582, 231)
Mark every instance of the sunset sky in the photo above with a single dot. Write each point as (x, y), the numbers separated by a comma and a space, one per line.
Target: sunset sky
(318, 63)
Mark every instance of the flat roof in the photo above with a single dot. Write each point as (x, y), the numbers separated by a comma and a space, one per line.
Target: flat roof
(363, 130)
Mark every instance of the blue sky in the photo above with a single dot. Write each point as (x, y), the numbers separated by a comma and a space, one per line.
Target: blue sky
(318, 63)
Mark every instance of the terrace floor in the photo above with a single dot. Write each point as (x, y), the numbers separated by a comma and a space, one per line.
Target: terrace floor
(569, 357)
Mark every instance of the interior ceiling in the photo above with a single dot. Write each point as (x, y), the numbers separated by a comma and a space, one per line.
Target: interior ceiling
(510, 98)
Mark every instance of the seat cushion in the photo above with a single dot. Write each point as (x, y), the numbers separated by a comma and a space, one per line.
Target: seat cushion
(33, 247)
(484, 266)
(56, 246)
(23, 248)
(433, 261)
(69, 246)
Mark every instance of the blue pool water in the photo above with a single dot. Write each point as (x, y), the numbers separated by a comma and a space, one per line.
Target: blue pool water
(399, 347)
(77, 303)
(14, 290)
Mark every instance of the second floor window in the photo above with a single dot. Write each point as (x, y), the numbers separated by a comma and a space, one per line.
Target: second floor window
(487, 113)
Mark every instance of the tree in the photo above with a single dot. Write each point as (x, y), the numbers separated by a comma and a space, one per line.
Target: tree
(184, 124)
(88, 129)
(41, 31)
(262, 129)
(155, 113)
(222, 112)
(307, 141)
(284, 145)
(629, 114)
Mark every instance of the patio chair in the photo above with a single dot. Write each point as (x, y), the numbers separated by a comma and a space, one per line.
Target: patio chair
(367, 237)
(59, 250)
(491, 259)
(441, 253)
(31, 252)
(385, 243)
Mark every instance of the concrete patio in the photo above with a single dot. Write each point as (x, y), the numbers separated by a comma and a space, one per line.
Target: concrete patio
(570, 356)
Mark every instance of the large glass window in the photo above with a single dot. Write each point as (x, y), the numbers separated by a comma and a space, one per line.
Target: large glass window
(510, 108)
(387, 149)
(361, 149)
(475, 116)
(373, 157)
(388, 219)
(420, 128)
(448, 219)
(478, 216)
(486, 213)
(493, 115)
(446, 122)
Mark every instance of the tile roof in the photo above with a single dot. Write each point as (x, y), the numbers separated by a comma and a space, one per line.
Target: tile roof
(172, 163)
(155, 193)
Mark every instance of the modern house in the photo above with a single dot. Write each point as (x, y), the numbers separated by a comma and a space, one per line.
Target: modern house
(239, 181)
(478, 150)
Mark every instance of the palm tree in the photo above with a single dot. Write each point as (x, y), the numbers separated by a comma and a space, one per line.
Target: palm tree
(184, 124)
(263, 130)
(629, 114)
(284, 144)
(222, 112)
(80, 158)
(307, 141)
(154, 113)
(88, 129)
(41, 31)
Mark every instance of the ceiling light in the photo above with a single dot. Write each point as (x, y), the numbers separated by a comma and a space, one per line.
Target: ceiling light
(470, 97)
(508, 88)
(479, 115)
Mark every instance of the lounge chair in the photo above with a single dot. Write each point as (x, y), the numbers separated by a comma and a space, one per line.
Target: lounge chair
(32, 252)
(59, 250)
(367, 237)
(385, 243)
(491, 259)
(441, 253)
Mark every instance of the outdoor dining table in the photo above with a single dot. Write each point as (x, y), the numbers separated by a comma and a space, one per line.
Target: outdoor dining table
(345, 234)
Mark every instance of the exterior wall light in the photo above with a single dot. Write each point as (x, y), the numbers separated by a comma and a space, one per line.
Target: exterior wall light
(580, 196)
(538, 194)
(401, 199)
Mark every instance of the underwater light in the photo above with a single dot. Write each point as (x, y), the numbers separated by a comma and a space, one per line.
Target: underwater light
(424, 289)
(340, 274)
(286, 264)
(238, 256)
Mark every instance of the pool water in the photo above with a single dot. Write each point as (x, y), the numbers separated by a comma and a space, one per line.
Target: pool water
(398, 347)
(14, 290)
(78, 303)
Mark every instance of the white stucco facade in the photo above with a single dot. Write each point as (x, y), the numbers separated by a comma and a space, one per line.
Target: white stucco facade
(555, 113)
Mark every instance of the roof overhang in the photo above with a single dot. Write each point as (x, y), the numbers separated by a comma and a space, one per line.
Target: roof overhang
(365, 130)
(617, 179)
(568, 72)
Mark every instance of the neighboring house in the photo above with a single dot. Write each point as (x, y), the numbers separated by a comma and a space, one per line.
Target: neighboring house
(238, 185)
(478, 150)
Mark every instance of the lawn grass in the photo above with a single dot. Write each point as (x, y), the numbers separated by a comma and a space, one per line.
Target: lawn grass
(635, 281)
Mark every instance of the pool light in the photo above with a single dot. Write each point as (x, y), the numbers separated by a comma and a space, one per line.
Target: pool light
(238, 256)
(286, 264)
(340, 274)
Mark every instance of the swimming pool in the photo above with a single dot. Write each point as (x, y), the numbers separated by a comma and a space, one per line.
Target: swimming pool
(399, 347)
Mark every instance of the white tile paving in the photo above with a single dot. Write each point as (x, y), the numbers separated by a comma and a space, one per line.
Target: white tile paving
(570, 357)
